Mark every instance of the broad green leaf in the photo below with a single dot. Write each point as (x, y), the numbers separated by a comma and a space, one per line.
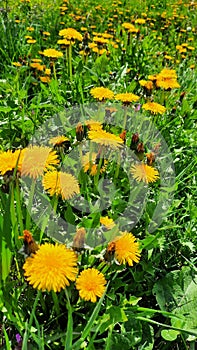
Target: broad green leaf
(169, 334)
(176, 292)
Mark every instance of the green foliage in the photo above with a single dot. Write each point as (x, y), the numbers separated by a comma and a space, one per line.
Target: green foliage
(151, 305)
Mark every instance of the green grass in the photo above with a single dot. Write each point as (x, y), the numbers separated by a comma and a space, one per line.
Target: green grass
(151, 305)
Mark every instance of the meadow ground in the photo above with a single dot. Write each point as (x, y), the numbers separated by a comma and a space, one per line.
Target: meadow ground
(98, 175)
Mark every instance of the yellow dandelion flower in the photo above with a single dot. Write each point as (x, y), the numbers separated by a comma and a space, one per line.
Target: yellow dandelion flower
(51, 267)
(167, 73)
(58, 140)
(64, 42)
(47, 71)
(93, 124)
(91, 284)
(87, 160)
(10, 160)
(167, 83)
(167, 79)
(92, 45)
(36, 60)
(140, 21)
(46, 33)
(126, 249)
(70, 33)
(100, 40)
(127, 97)
(107, 222)
(105, 138)
(102, 51)
(154, 107)
(148, 84)
(30, 29)
(52, 53)
(145, 173)
(45, 79)
(16, 64)
(102, 93)
(31, 41)
(93, 169)
(60, 183)
(191, 48)
(152, 77)
(38, 159)
(127, 25)
(37, 66)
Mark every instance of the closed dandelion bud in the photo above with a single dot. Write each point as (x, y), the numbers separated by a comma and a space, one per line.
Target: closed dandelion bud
(140, 151)
(134, 141)
(85, 38)
(150, 158)
(123, 136)
(110, 251)
(79, 239)
(79, 132)
(182, 96)
(30, 246)
(157, 148)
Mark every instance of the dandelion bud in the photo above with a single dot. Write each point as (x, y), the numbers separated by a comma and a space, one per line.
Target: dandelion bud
(79, 132)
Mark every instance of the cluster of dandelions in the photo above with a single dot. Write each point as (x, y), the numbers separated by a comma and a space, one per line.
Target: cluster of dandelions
(40, 161)
(53, 267)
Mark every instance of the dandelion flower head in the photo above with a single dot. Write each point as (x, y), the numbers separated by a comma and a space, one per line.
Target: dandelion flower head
(154, 107)
(58, 140)
(107, 222)
(127, 97)
(52, 53)
(145, 173)
(60, 183)
(102, 93)
(10, 160)
(105, 138)
(70, 33)
(51, 267)
(126, 249)
(91, 284)
(38, 159)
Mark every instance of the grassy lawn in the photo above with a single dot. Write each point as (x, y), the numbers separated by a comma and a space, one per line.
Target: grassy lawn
(98, 175)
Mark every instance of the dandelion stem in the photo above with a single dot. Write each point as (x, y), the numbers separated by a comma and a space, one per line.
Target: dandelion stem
(125, 118)
(70, 61)
(56, 303)
(54, 71)
(30, 204)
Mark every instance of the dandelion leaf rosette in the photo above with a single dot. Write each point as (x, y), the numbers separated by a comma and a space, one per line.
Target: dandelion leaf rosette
(176, 293)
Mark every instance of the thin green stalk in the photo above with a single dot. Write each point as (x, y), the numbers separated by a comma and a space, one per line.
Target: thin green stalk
(141, 318)
(89, 325)
(184, 342)
(69, 332)
(108, 343)
(70, 62)
(30, 204)
(125, 117)
(18, 206)
(117, 166)
(54, 71)
(29, 324)
(13, 215)
(56, 303)
(96, 177)
(54, 204)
